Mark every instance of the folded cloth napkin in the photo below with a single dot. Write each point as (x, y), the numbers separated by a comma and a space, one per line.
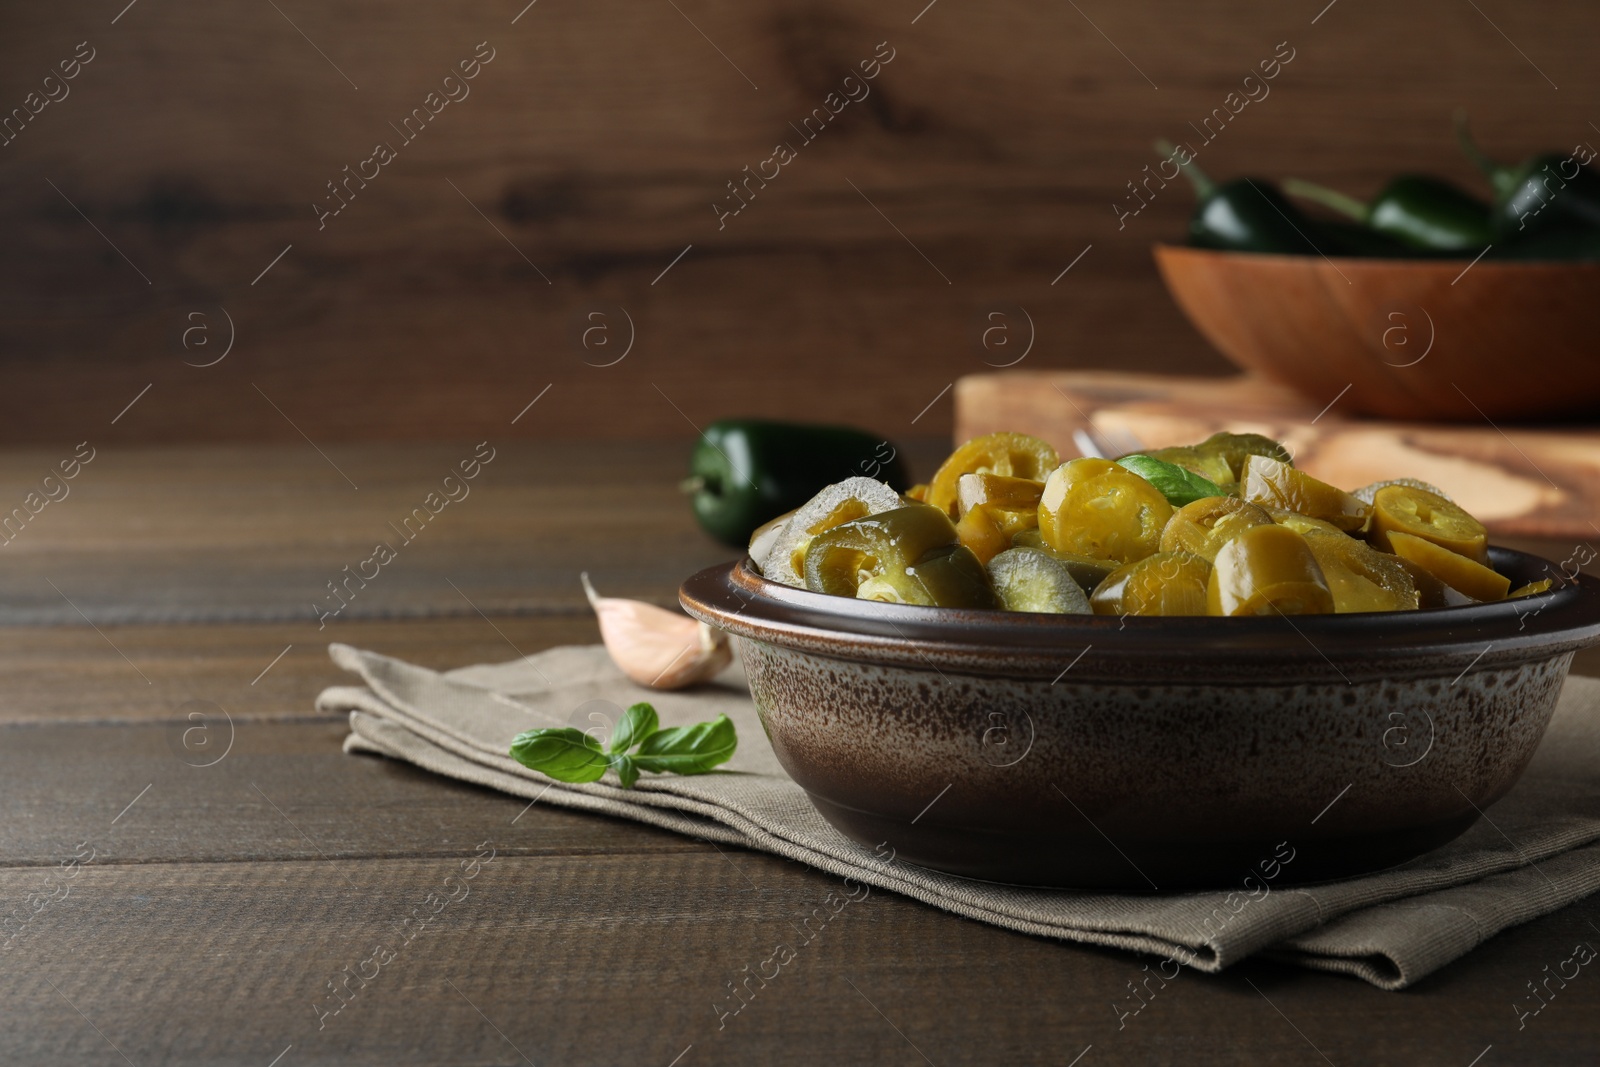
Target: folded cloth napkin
(1535, 851)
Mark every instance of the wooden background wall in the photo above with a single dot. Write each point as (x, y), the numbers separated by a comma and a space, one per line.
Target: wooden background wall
(593, 145)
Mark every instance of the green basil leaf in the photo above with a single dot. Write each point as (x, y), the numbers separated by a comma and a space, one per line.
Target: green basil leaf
(626, 770)
(689, 749)
(1179, 485)
(567, 754)
(638, 723)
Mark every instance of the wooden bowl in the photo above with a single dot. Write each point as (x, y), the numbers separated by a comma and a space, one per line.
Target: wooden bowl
(1094, 752)
(1412, 339)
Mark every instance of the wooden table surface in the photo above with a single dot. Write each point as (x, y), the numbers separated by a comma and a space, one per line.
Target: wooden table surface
(190, 860)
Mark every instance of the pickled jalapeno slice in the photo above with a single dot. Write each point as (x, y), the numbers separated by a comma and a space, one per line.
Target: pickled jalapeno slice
(1368, 492)
(982, 530)
(1431, 592)
(1092, 507)
(1203, 527)
(766, 535)
(1000, 491)
(1420, 513)
(995, 508)
(905, 556)
(1167, 583)
(1360, 577)
(1234, 450)
(1031, 579)
(951, 577)
(1087, 571)
(1304, 525)
(1015, 455)
(1268, 570)
(842, 502)
(1459, 572)
(1273, 483)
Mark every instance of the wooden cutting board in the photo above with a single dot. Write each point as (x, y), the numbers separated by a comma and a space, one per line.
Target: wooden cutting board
(1521, 481)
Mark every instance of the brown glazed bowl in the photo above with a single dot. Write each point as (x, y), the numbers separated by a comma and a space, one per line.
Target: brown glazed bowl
(1150, 753)
(1410, 339)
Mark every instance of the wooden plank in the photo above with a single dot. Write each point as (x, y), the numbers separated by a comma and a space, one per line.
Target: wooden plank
(1521, 481)
(272, 791)
(194, 535)
(625, 957)
(191, 535)
(999, 142)
(73, 673)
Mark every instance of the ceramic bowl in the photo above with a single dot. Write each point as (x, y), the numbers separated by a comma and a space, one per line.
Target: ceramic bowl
(1150, 754)
(1408, 339)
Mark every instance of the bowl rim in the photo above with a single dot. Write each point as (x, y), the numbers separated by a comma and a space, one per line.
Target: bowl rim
(1436, 641)
(1161, 249)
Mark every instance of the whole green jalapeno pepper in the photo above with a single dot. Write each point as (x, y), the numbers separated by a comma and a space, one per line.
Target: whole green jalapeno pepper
(1244, 215)
(744, 472)
(1423, 213)
(1550, 191)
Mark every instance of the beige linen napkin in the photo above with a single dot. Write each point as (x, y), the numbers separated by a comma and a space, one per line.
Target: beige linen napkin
(1534, 852)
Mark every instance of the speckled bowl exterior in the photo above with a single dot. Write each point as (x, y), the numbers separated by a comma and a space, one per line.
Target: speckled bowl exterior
(1150, 754)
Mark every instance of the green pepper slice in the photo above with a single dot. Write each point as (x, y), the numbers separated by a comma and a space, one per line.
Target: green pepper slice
(994, 509)
(1461, 573)
(1273, 484)
(1407, 510)
(1012, 455)
(1031, 579)
(1234, 450)
(906, 556)
(1087, 571)
(1203, 527)
(1268, 570)
(1092, 507)
(1167, 583)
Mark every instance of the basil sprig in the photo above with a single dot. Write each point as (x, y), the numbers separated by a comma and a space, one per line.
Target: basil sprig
(567, 754)
(1178, 484)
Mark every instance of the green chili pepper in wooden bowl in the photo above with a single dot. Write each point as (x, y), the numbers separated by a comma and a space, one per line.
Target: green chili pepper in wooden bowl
(1424, 213)
(1244, 215)
(1549, 192)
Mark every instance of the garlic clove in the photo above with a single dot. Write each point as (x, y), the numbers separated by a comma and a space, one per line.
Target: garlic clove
(656, 648)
